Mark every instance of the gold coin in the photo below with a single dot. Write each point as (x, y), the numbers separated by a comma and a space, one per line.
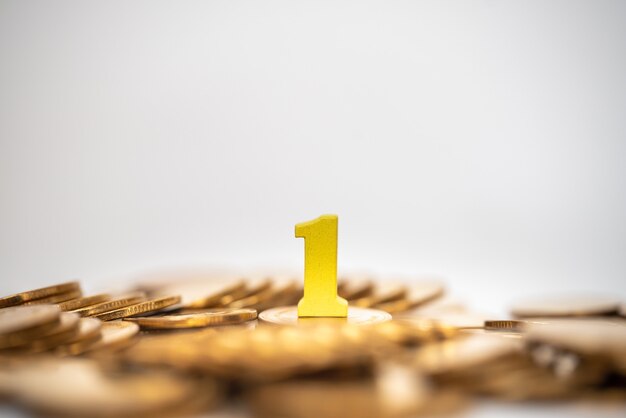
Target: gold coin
(590, 336)
(61, 297)
(351, 289)
(288, 315)
(88, 333)
(386, 292)
(73, 387)
(277, 295)
(21, 324)
(213, 297)
(252, 288)
(412, 332)
(465, 320)
(43, 292)
(504, 325)
(196, 320)
(114, 334)
(419, 294)
(110, 305)
(78, 303)
(139, 308)
(565, 306)
(64, 331)
(459, 354)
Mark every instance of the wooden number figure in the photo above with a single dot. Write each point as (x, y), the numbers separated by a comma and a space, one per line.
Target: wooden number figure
(320, 269)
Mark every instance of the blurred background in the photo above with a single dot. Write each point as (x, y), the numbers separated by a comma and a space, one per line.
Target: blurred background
(483, 142)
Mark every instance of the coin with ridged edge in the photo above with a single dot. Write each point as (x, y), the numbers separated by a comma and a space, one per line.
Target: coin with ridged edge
(288, 315)
(209, 317)
(110, 305)
(504, 325)
(140, 308)
(19, 298)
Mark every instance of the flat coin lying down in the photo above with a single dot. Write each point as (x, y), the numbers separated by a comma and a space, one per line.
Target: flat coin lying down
(22, 324)
(44, 292)
(197, 319)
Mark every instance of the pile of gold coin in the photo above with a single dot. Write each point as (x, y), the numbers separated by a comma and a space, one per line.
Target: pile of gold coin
(183, 347)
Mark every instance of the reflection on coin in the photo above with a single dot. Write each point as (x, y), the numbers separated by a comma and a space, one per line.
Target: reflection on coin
(115, 334)
(288, 315)
(564, 306)
(418, 295)
(61, 297)
(43, 292)
(78, 303)
(110, 305)
(139, 308)
(196, 320)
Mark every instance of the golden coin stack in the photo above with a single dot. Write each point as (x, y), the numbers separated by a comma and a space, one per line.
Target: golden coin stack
(182, 347)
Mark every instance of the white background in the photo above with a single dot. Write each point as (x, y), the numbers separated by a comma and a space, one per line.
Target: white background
(482, 141)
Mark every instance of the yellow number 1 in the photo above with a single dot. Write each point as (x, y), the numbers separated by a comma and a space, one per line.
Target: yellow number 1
(320, 269)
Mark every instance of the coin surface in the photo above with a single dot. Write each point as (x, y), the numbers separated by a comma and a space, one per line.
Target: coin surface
(210, 317)
(288, 315)
(564, 306)
(43, 292)
(115, 334)
(139, 308)
(82, 302)
(110, 305)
